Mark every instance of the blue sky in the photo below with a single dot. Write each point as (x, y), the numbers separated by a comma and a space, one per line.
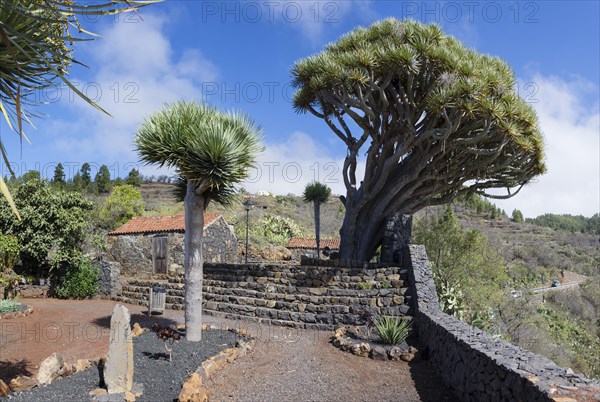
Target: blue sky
(238, 55)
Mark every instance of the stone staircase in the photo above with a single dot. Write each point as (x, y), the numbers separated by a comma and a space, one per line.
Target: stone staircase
(298, 297)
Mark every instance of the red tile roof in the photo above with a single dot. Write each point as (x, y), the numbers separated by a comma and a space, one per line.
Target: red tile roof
(297, 242)
(158, 224)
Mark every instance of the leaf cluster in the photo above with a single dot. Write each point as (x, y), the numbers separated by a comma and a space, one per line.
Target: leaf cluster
(316, 192)
(52, 221)
(392, 330)
(211, 148)
(123, 203)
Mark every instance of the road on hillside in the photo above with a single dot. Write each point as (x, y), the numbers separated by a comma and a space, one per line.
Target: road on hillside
(559, 287)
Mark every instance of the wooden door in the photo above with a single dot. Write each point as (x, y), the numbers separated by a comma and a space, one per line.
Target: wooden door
(159, 252)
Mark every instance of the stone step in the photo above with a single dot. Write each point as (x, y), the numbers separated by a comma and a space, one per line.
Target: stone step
(341, 284)
(281, 288)
(252, 297)
(267, 321)
(261, 299)
(274, 291)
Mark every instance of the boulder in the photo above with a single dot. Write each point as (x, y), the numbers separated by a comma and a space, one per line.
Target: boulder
(395, 353)
(21, 383)
(136, 330)
(361, 349)
(4, 389)
(82, 364)
(118, 371)
(192, 390)
(276, 253)
(412, 354)
(378, 353)
(50, 368)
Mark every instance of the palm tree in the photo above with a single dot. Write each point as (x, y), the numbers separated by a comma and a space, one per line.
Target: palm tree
(211, 151)
(317, 193)
(36, 45)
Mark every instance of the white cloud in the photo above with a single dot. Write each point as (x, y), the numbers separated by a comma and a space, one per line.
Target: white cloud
(312, 18)
(136, 71)
(288, 166)
(571, 128)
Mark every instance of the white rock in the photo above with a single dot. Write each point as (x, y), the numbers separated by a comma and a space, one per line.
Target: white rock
(50, 368)
(118, 371)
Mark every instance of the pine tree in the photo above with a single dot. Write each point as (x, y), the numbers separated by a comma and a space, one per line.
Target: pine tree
(102, 180)
(59, 175)
(86, 177)
(134, 178)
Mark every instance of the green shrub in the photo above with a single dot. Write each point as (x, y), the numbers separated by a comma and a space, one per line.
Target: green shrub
(80, 280)
(9, 252)
(392, 330)
(8, 306)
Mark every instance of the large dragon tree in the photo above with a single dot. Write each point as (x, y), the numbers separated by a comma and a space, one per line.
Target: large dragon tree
(211, 151)
(433, 119)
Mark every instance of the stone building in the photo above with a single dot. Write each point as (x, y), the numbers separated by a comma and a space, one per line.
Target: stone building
(308, 247)
(152, 246)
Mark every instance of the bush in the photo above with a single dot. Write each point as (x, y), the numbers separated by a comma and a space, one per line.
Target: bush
(124, 203)
(80, 280)
(393, 330)
(7, 306)
(9, 252)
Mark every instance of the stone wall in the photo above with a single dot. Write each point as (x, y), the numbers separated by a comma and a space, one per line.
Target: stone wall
(295, 296)
(476, 365)
(134, 252)
(109, 274)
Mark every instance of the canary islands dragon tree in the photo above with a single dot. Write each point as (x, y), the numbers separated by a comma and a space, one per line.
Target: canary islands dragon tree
(211, 151)
(433, 119)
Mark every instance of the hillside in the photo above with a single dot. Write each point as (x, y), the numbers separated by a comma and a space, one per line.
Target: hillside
(541, 251)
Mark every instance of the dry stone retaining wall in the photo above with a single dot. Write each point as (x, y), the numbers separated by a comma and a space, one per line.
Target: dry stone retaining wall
(296, 296)
(473, 363)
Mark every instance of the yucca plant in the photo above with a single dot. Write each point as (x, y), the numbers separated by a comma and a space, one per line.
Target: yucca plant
(393, 330)
(211, 152)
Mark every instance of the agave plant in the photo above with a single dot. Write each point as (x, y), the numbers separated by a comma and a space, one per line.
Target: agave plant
(393, 330)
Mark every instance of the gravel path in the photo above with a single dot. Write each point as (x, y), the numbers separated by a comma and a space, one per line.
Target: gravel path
(285, 364)
(300, 365)
(162, 380)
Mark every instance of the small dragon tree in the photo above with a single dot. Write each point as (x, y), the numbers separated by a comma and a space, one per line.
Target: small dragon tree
(437, 119)
(317, 193)
(211, 151)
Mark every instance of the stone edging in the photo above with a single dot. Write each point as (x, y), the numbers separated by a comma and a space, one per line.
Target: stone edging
(193, 389)
(52, 368)
(365, 349)
(17, 314)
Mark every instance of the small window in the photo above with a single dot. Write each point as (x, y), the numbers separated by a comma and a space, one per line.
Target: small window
(159, 254)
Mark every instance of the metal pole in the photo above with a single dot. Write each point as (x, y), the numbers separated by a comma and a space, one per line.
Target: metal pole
(247, 219)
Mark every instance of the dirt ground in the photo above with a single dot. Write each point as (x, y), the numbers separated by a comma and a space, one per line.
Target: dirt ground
(77, 329)
(285, 364)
